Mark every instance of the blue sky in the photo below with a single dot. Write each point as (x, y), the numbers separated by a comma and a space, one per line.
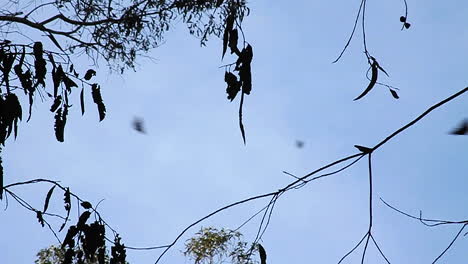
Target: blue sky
(192, 160)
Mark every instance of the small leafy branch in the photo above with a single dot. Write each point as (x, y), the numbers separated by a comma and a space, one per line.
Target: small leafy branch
(374, 66)
(242, 65)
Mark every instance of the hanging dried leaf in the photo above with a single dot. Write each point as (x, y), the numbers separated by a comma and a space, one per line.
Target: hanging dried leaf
(82, 101)
(82, 220)
(89, 74)
(245, 75)
(96, 93)
(394, 94)
(233, 38)
(56, 104)
(233, 86)
(229, 25)
(69, 83)
(67, 201)
(72, 232)
(373, 81)
(39, 63)
(57, 78)
(59, 125)
(47, 199)
(40, 219)
(86, 205)
(241, 125)
(262, 252)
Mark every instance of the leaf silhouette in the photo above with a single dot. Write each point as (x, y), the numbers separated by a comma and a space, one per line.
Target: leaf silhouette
(373, 80)
(96, 93)
(82, 220)
(233, 37)
(57, 78)
(89, 74)
(40, 219)
(229, 25)
(47, 199)
(67, 201)
(241, 125)
(39, 63)
(263, 255)
(82, 101)
(462, 129)
(363, 149)
(72, 232)
(56, 104)
(233, 85)
(59, 125)
(394, 94)
(86, 205)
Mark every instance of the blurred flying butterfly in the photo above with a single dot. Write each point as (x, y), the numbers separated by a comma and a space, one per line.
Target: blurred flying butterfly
(138, 125)
(462, 129)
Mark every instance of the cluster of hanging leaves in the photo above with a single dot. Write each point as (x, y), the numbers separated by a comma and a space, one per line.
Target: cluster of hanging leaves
(24, 69)
(84, 241)
(31, 76)
(242, 81)
(375, 68)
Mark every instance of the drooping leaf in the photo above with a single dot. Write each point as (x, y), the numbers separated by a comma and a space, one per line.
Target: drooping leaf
(67, 199)
(57, 78)
(86, 205)
(233, 86)
(225, 41)
(241, 125)
(59, 125)
(233, 37)
(96, 93)
(394, 94)
(82, 220)
(262, 252)
(89, 74)
(380, 68)
(82, 102)
(373, 81)
(69, 83)
(72, 232)
(39, 63)
(40, 219)
(229, 25)
(67, 202)
(363, 149)
(245, 75)
(56, 104)
(47, 199)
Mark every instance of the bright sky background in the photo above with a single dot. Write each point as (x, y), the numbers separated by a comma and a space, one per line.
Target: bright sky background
(192, 160)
